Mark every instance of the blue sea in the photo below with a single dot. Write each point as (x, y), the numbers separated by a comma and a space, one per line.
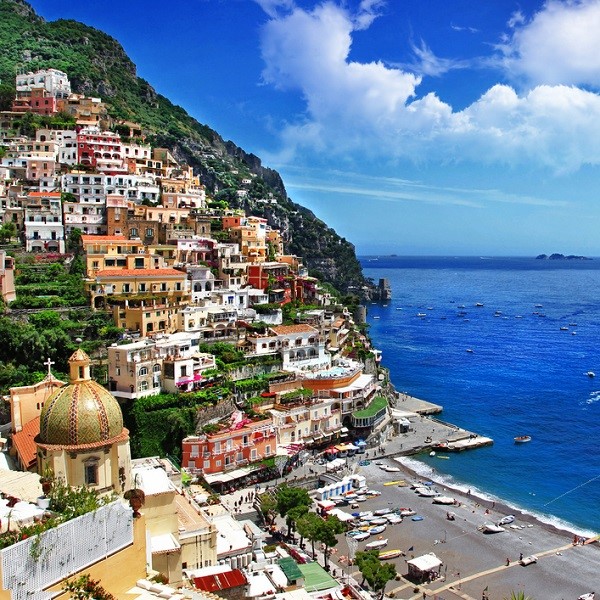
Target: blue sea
(515, 366)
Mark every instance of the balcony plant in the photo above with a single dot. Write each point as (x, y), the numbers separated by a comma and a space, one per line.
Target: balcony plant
(136, 497)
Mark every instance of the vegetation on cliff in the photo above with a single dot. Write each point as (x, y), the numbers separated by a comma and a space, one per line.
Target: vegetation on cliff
(97, 65)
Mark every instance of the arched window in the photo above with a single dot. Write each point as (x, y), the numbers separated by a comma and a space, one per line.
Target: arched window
(143, 371)
(156, 368)
(90, 467)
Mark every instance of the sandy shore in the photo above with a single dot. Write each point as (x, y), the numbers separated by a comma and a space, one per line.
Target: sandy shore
(472, 560)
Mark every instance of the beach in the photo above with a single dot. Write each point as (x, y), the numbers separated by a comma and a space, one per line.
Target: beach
(474, 561)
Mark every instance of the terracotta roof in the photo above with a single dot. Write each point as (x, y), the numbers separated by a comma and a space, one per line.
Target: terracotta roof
(220, 581)
(44, 194)
(286, 329)
(24, 442)
(139, 273)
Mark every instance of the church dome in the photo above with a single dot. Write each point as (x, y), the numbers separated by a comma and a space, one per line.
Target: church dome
(82, 412)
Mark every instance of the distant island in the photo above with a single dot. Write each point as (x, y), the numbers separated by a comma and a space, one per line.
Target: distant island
(561, 257)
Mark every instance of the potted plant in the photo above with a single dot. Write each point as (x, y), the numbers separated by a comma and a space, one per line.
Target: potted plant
(46, 481)
(136, 497)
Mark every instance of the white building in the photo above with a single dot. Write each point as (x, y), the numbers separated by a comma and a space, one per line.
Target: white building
(55, 82)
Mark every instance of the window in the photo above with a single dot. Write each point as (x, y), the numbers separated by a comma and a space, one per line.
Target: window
(156, 368)
(143, 386)
(126, 288)
(143, 371)
(207, 464)
(217, 448)
(142, 287)
(118, 371)
(268, 450)
(149, 232)
(90, 467)
(253, 454)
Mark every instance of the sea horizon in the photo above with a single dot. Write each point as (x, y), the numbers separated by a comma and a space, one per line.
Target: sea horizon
(530, 333)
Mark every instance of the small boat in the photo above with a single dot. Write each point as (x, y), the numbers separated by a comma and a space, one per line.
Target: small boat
(564, 328)
(507, 520)
(382, 511)
(539, 306)
(377, 317)
(397, 482)
(376, 544)
(378, 521)
(479, 304)
(373, 492)
(591, 374)
(363, 535)
(377, 529)
(470, 350)
(421, 314)
(389, 554)
(392, 469)
(417, 518)
(407, 512)
(522, 439)
(444, 500)
(490, 528)
(393, 519)
(443, 457)
(572, 324)
(361, 498)
(427, 492)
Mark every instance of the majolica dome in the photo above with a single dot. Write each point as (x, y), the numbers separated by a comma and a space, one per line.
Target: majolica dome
(82, 412)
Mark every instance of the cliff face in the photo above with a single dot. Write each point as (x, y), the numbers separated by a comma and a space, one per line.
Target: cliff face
(97, 65)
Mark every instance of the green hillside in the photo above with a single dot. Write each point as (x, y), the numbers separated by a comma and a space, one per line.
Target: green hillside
(97, 65)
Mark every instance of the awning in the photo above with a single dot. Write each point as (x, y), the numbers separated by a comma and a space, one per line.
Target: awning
(229, 476)
(162, 544)
(425, 563)
(350, 446)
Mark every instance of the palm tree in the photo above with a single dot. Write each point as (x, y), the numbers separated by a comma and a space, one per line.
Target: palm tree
(518, 596)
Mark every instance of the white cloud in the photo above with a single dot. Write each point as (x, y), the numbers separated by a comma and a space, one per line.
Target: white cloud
(427, 63)
(559, 45)
(373, 111)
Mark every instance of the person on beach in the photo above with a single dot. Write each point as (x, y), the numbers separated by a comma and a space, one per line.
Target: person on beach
(507, 561)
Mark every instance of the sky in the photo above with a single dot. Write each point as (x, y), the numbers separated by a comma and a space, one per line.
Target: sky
(411, 127)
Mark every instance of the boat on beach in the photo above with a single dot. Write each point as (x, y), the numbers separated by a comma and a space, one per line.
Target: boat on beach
(376, 530)
(400, 482)
(382, 511)
(522, 439)
(376, 544)
(362, 535)
(388, 554)
(507, 520)
(444, 500)
(490, 528)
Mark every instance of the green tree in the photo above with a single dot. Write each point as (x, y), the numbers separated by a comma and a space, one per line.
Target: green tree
(374, 571)
(268, 507)
(328, 533)
(518, 596)
(74, 241)
(288, 498)
(309, 527)
(291, 519)
(8, 231)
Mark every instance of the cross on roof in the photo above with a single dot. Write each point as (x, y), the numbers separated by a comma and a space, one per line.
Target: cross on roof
(49, 363)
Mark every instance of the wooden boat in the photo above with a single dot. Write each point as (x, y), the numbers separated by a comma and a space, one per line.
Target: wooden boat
(361, 536)
(398, 482)
(376, 544)
(522, 439)
(388, 554)
(444, 500)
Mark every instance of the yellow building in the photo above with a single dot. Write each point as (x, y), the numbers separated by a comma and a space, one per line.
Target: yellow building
(82, 439)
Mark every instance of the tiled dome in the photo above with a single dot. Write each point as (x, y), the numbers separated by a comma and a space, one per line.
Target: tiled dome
(82, 412)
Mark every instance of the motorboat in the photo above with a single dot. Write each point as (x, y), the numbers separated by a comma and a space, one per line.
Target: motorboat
(588, 596)
(490, 528)
(363, 535)
(373, 492)
(506, 520)
(564, 328)
(393, 519)
(407, 512)
(528, 560)
(392, 469)
(470, 350)
(376, 530)
(444, 500)
(479, 304)
(421, 314)
(591, 374)
(376, 544)
(427, 493)
(378, 521)
(382, 511)
(522, 439)
(389, 554)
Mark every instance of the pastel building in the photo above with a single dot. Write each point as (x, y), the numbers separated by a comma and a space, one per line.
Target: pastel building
(43, 224)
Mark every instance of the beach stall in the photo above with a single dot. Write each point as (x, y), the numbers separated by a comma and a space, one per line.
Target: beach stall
(331, 453)
(324, 506)
(344, 517)
(358, 481)
(425, 567)
(361, 445)
(342, 450)
(351, 449)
